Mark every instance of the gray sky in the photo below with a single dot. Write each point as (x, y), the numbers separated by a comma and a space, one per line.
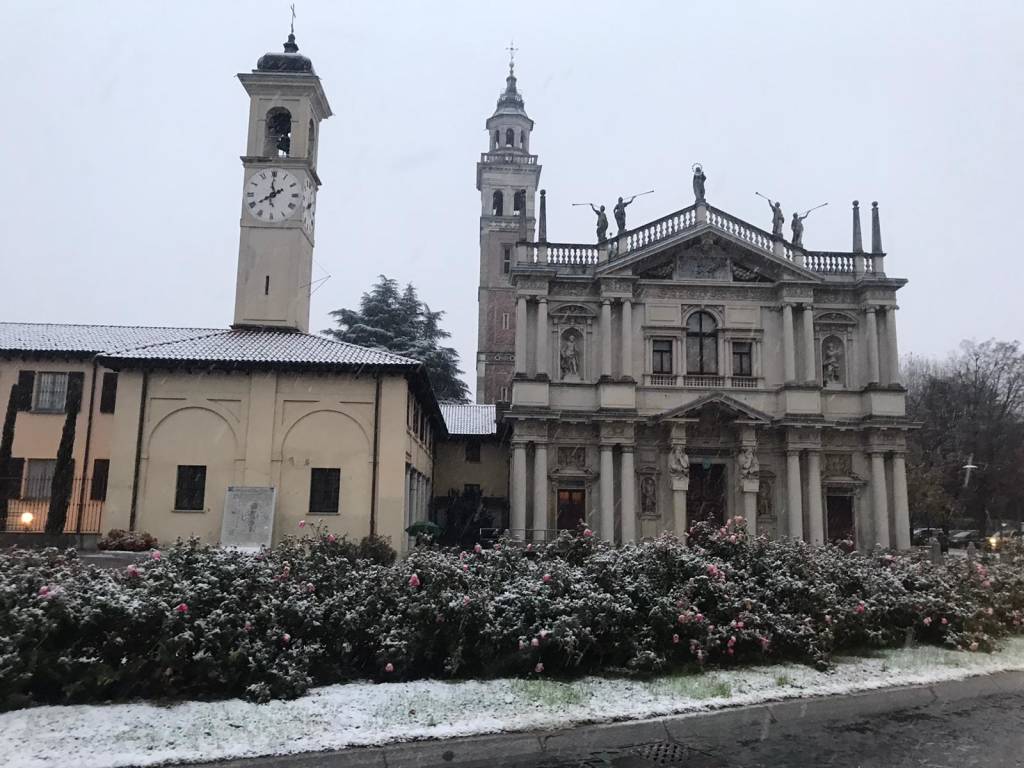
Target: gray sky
(124, 123)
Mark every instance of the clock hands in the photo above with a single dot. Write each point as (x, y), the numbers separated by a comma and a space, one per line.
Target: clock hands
(274, 192)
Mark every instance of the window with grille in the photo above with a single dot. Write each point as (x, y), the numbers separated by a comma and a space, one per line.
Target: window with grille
(324, 490)
(701, 344)
(661, 360)
(98, 485)
(190, 489)
(742, 358)
(39, 478)
(51, 391)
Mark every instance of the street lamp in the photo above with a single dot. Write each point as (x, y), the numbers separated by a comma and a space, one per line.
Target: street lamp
(26, 519)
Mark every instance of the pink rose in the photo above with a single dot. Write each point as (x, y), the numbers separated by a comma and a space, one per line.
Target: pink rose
(927, 621)
(465, 600)
(248, 626)
(132, 570)
(286, 638)
(465, 567)
(543, 634)
(986, 584)
(587, 532)
(389, 667)
(331, 538)
(155, 554)
(478, 549)
(988, 611)
(859, 608)
(414, 581)
(44, 591)
(699, 617)
(539, 669)
(310, 586)
(497, 547)
(522, 645)
(683, 618)
(974, 646)
(302, 523)
(730, 651)
(535, 643)
(181, 608)
(546, 578)
(732, 642)
(828, 619)
(732, 539)
(675, 639)
(529, 547)
(944, 621)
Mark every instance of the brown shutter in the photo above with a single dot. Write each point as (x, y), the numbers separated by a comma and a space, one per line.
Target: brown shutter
(73, 402)
(12, 477)
(26, 383)
(108, 395)
(100, 473)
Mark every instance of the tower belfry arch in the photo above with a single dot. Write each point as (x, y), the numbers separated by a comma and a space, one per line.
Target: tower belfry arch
(507, 177)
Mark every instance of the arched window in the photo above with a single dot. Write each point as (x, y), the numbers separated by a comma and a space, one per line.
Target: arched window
(311, 145)
(519, 202)
(497, 139)
(701, 344)
(510, 138)
(279, 133)
(522, 139)
(497, 203)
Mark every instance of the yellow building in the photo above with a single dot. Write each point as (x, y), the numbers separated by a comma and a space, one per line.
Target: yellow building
(148, 428)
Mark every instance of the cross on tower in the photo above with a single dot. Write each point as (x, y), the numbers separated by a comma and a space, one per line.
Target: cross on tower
(512, 54)
(293, 17)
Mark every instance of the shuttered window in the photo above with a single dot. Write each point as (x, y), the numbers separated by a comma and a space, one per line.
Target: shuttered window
(10, 483)
(324, 491)
(98, 486)
(39, 478)
(108, 395)
(26, 383)
(190, 489)
(51, 391)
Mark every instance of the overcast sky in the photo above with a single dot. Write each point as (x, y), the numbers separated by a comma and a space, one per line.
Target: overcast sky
(124, 122)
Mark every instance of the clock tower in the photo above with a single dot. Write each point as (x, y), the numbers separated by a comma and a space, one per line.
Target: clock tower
(275, 245)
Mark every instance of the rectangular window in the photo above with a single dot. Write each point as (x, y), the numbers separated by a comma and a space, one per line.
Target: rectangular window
(324, 491)
(471, 490)
(503, 395)
(108, 394)
(701, 354)
(506, 321)
(473, 451)
(506, 260)
(190, 490)
(98, 486)
(742, 358)
(39, 478)
(661, 360)
(51, 392)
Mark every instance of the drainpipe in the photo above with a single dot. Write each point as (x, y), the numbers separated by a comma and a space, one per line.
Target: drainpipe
(376, 455)
(138, 451)
(85, 457)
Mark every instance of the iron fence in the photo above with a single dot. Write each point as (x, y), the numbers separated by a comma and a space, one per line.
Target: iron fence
(28, 515)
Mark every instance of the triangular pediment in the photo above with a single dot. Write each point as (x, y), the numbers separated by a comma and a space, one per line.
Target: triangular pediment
(731, 407)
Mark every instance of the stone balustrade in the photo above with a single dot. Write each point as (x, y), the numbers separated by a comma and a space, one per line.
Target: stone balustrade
(572, 254)
(700, 381)
(507, 158)
(740, 229)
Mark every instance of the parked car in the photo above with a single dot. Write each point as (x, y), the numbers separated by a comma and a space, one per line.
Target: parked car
(921, 537)
(963, 538)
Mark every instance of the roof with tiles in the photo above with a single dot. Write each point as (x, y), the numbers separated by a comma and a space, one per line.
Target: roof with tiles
(469, 419)
(193, 345)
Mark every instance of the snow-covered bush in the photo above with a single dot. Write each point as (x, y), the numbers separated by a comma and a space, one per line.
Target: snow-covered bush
(196, 621)
(120, 540)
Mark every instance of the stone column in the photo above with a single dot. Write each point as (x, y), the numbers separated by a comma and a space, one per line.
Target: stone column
(900, 504)
(540, 489)
(628, 495)
(892, 350)
(871, 329)
(750, 485)
(521, 335)
(816, 520)
(793, 494)
(517, 521)
(788, 344)
(607, 494)
(627, 337)
(542, 337)
(606, 338)
(810, 365)
(879, 499)
(679, 509)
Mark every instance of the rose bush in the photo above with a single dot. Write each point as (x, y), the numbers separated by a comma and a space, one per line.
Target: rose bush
(196, 621)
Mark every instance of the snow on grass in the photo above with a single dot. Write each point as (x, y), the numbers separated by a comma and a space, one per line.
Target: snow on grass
(337, 716)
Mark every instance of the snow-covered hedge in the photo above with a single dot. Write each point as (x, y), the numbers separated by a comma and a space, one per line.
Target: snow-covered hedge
(203, 622)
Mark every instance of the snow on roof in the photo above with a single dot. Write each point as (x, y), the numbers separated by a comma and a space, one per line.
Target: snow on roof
(193, 345)
(469, 419)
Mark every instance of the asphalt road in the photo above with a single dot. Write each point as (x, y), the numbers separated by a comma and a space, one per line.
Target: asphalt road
(985, 732)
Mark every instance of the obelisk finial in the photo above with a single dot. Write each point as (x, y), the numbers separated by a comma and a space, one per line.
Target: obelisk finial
(858, 243)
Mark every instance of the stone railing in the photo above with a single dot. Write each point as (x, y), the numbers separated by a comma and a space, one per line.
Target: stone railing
(656, 231)
(829, 262)
(507, 158)
(572, 254)
(700, 381)
(740, 229)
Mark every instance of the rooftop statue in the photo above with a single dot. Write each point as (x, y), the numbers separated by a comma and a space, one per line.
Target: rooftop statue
(620, 213)
(698, 182)
(602, 223)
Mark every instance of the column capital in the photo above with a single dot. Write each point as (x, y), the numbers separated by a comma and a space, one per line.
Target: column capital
(606, 447)
(870, 309)
(542, 299)
(626, 448)
(607, 301)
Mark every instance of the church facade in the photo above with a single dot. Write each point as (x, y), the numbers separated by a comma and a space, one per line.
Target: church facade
(694, 367)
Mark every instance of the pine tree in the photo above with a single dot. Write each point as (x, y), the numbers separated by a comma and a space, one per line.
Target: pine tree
(397, 321)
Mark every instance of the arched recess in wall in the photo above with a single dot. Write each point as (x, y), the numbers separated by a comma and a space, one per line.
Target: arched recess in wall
(211, 427)
(278, 136)
(833, 361)
(497, 203)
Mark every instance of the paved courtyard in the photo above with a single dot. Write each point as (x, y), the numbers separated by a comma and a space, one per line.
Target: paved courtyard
(975, 732)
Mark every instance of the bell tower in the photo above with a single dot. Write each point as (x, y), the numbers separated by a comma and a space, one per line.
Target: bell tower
(507, 177)
(275, 245)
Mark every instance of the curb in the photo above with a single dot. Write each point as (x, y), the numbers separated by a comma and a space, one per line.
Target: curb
(510, 749)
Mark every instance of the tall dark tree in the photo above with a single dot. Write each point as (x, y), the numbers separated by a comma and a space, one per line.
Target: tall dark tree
(7, 480)
(396, 320)
(970, 407)
(64, 468)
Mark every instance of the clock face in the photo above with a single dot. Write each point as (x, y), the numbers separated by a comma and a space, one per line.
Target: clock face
(308, 206)
(273, 195)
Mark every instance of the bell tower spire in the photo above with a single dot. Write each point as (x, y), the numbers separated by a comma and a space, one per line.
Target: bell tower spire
(280, 182)
(507, 178)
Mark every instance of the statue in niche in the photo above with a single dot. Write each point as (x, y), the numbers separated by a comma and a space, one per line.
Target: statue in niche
(746, 461)
(569, 357)
(648, 497)
(831, 361)
(765, 513)
(699, 179)
(678, 462)
(602, 223)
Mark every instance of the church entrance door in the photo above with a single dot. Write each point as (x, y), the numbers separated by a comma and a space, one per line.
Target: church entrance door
(705, 500)
(839, 511)
(572, 507)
